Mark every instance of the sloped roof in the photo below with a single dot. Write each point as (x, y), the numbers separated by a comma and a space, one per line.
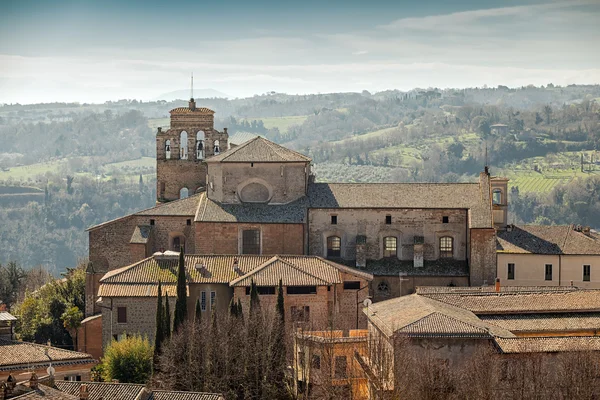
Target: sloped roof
(542, 239)
(17, 355)
(259, 149)
(419, 316)
(563, 322)
(45, 392)
(519, 302)
(135, 290)
(468, 196)
(240, 137)
(212, 211)
(173, 395)
(275, 269)
(6, 316)
(102, 390)
(197, 110)
(547, 344)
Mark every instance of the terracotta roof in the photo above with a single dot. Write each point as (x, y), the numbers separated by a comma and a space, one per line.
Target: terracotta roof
(541, 239)
(18, 355)
(240, 137)
(291, 213)
(515, 302)
(424, 290)
(102, 390)
(45, 392)
(141, 233)
(548, 344)
(173, 395)
(405, 195)
(197, 110)
(141, 278)
(419, 316)
(259, 149)
(181, 207)
(91, 318)
(563, 322)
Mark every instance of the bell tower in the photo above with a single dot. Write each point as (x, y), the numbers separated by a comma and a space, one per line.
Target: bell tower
(182, 149)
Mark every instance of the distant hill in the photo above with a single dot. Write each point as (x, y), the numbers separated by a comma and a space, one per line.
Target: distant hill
(185, 94)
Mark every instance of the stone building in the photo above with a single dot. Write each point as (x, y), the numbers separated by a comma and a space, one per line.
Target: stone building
(317, 293)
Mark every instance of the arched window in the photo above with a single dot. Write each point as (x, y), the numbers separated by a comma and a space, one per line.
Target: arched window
(200, 145)
(390, 246)
(178, 243)
(497, 196)
(167, 149)
(183, 193)
(334, 246)
(217, 148)
(183, 145)
(446, 247)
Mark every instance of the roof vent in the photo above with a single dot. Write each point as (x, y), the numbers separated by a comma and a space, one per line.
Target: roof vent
(236, 266)
(201, 268)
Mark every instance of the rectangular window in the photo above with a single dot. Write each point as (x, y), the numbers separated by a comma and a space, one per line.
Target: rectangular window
(548, 272)
(446, 247)
(213, 300)
(351, 285)
(334, 220)
(341, 367)
(390, 246)
(151, 222)
(203, 301)
(388, 219)
(445, 219)
(251, 241)
(301, 290)
(121, 315)
(587, 273)
(334, 246)
(511, 271)
(262, 290)
(188, 222)
(300, 314)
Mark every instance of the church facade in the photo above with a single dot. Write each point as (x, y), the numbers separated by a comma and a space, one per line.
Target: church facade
(260, 198)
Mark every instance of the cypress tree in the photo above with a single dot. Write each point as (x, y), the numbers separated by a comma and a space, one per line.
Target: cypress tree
(280, 307)
(254, 300)
(239, 310)
(233, 310)
(198, 312)
(181, 303)
(160, 332)
(167, 318)
(276, 386)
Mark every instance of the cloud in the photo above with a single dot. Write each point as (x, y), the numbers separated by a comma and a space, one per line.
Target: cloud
(360, 52)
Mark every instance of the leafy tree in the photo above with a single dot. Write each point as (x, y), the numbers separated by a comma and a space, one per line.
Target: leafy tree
(71, 319)
(11, 280)
(128, 360)
(181, 303)
(548, 111)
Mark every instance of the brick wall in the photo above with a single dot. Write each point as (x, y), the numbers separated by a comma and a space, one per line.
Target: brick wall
(89, 338)
(483, 257)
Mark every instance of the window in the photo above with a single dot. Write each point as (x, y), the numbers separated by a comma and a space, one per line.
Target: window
(446, 247)
(168, 149)
(213, 300)
(586, 273)
(183, 193)
(352, 285)
(315, 363)
(389, 246)
(511, 271)
(178, 243)
(262, 290)
(203, 301)
(497, 196)
(300, 314)
(121, 315)
(548, 272)
(341, 367)
(217, 148)
(151, 222)
(183, 145)
(334, 246)
(383, 289)
(163, 187)
(200, 145)
(251, 241)
(188, 222)
(301, 290)
(388, 219)
(334, 220)
(445, 219)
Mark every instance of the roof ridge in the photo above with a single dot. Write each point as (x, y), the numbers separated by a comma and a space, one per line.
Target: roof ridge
(440, 314)
(119, 271)
(253, 271)
(234, 150)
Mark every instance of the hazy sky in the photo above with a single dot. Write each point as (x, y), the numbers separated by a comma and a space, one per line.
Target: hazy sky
(93, 51)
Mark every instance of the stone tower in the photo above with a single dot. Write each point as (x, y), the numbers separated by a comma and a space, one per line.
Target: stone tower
(181, 150)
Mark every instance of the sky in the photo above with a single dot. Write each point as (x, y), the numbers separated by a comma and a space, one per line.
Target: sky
(94, 51)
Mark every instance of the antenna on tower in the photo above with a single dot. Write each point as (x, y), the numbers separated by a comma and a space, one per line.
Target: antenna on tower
(192, 88)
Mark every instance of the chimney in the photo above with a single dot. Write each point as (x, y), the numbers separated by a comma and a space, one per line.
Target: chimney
(586, 230)
(192, 104)
(33, 381)
(361, 251)
(497, 285)
(418, 249)
(159, 129)
(571, 284)
(83, 392)
(225, 131)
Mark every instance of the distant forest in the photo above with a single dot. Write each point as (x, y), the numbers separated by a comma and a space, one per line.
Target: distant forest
(67, 166)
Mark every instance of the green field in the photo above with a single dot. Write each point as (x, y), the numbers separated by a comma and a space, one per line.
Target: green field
(281, 123)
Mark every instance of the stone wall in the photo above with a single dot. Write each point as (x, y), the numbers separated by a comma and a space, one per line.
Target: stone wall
(483, 257)
(405, 225)
(349, 304)
(225, 238)
(397, 288)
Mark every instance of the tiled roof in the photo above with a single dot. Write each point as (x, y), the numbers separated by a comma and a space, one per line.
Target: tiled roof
(16, 355)
(259, 149)
(211, 211)
(515, 302)
(548, 344)
(141, 233)
(45, 392)
(141, 278)
(541, 239)
(182, 207)
(419, 316)
(240, 137)
(492, 289)
(173, 395)
(405, 195)
(545, 322)
(198, 110)
(6, 316)
(102, 390)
